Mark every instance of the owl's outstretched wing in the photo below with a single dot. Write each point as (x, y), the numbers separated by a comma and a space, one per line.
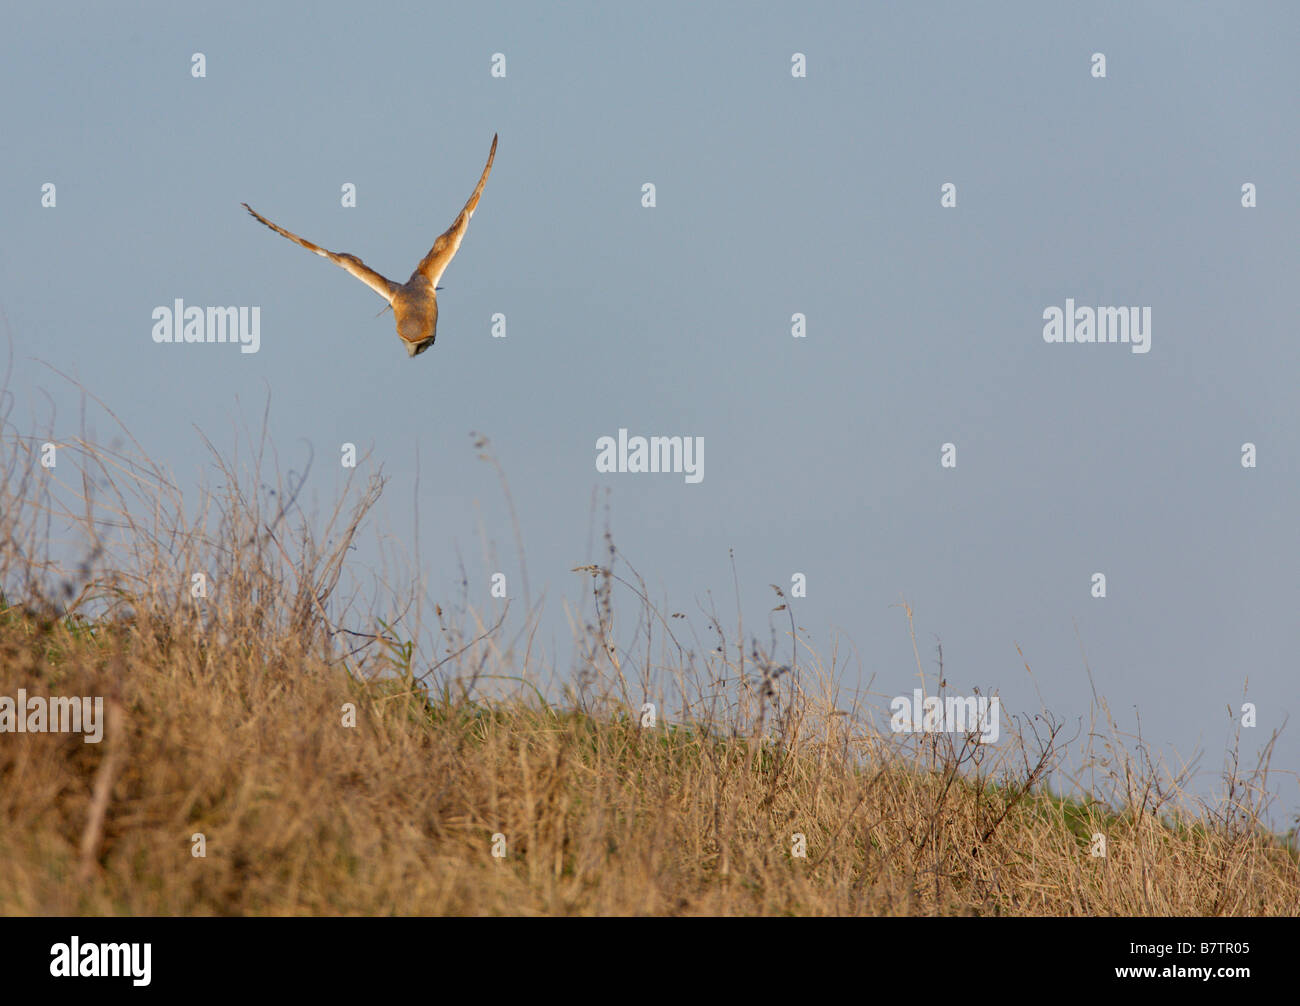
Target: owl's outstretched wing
(444, 249)
(381, 285)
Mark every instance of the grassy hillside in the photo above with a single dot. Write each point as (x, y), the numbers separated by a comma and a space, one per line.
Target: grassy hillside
(396, 815)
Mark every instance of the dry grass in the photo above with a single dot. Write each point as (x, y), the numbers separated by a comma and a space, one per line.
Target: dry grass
(226, 719)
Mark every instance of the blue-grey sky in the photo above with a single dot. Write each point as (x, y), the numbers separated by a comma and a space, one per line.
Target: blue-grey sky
(775, 195)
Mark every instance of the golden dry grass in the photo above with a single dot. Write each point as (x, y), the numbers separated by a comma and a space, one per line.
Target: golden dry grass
(227, 719)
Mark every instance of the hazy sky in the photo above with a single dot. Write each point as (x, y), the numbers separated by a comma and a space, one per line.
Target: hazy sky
(775, 195)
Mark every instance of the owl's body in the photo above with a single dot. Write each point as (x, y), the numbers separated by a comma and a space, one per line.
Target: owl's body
(415, 309)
